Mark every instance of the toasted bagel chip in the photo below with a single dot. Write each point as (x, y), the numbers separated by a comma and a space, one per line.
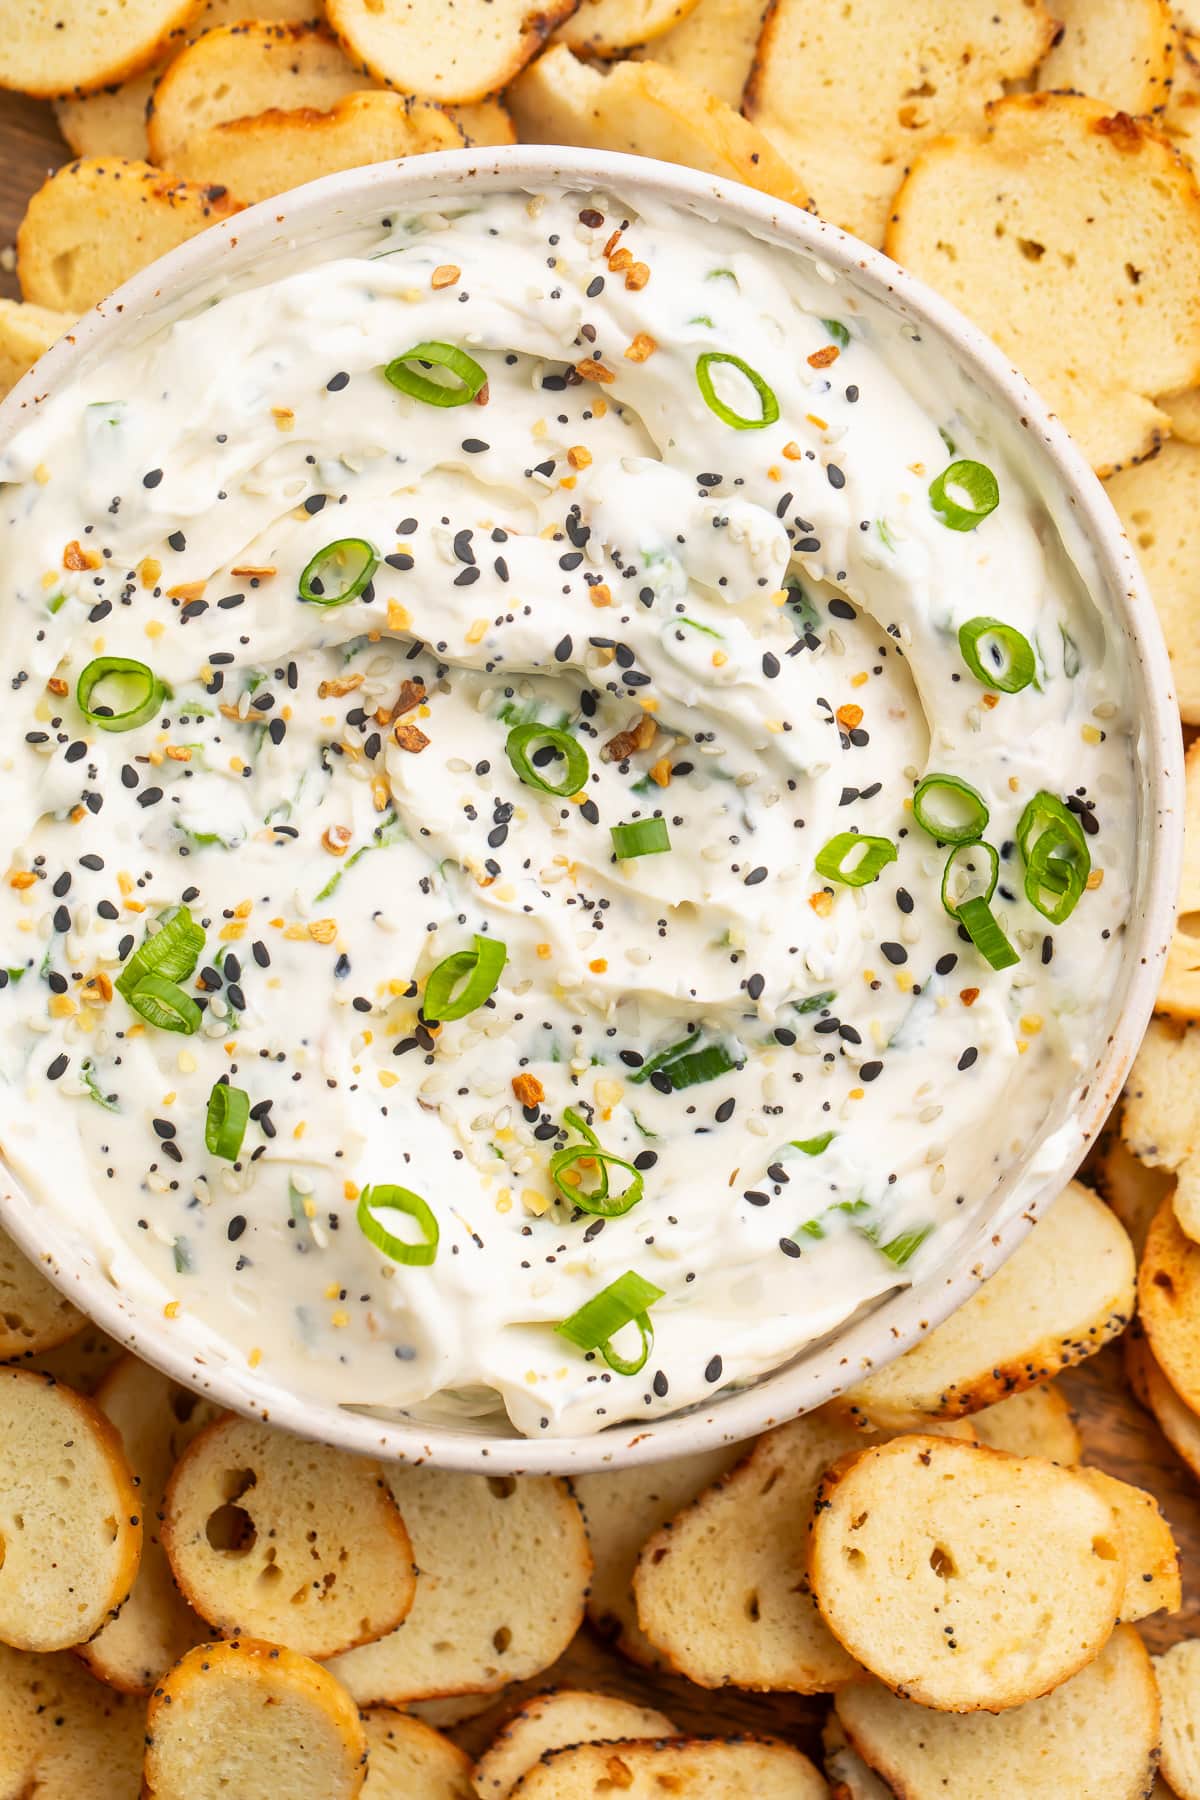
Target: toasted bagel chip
(962, 1577)
(1151, 1558)
(1182, 119)
(270, 1535)
(1093, 1738)
(63, 1734)
(156, 1626)
(96, 222)
(848, 1775)
(1036, 1422)
(445, 1713)
(1169, 1302)
(70, 1515)
(1072, 236)
(1178, 1675)
(1179, 989)
(34, 1316)
(700, 1768)
(621, 1511)
(610, 27)
(504, 1564)
(254, 1720)
(713, 46)
(648, 110)
(1156, 501)
(1183, 410)
(1062, 1294)
(1161, 1120)
(411, 49)
(1129, 1186)
(1177, 1422)
(851, 94)
(77, 46)
(81, 1363)
(484, 124)
(552, 1722)
(1118, 51)
(279, 150)
(238, 71)
(411, 1761)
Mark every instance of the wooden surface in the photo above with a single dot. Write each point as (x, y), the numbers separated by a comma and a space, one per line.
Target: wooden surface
(1117, 1435)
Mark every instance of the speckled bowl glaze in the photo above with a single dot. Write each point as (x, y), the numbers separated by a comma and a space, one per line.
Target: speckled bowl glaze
(282, 230)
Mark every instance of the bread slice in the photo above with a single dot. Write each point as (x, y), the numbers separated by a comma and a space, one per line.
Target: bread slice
(622, 1510)
(1036, 1422)
(504, 1567)
(1062, 1294)
(64, 1736)
(849, 1776)
(1093, 1738)
(70, 1515)
(552, 1722)
(1178, 1673)
(34, 1316)
(255, 1721)
(1129, 1186)
(648, 110)
(51, 47)
(156, 1626)
(610, 27)
(272, 1536)
(258, 157)
(699, 1768)
(1161, 1120)
(851, 94)
(1118, 51)
(722, 1591)
(1072, 236)
(410, 1761)
(485, 123)
(1151, 1558)
(112, 121)
(96, 222)
(410, 47)
(713, 46)
(81, 1362)
(964, 1578)
(1169, 1302)
(237, 71)
(1156, 500)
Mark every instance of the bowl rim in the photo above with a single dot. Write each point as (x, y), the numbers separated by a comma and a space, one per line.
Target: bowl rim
(894, 1324)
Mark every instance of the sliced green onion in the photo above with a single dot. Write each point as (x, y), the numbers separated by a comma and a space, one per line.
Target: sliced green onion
(1010, 665)
(1057, 859)
(598, 1200)
(398, 1199)
(225, 1123)
(522, 738)
(171, 952)
(643, 837)
(339, 572)
(854, 859)
(701, 1065)
(950, 810)
(971, 872)
(983, 928)
(964, 494)
(813, 1146)
(726, 414)
(623, 1302)
(470, 377)
(837, 331)
(480, 969)
(814, 1002)
(137, 684)
(164, 1005)
(903, 1248)
(661, 1058)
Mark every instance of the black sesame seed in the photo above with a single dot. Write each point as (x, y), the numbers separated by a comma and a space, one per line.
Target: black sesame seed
(713, 1369)
(895, 953)
(969, 1057)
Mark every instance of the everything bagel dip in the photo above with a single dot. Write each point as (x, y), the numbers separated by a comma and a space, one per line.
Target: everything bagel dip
(567, 812)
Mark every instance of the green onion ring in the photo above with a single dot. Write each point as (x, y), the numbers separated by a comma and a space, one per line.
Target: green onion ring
(1057, 859)
(517, 747)
(479, 968)
(1011, 662)
(172, 952)
(959, 864)
(165, 1006)
(726, 414)
(398, 1199)
(903, 1248)
(971, 804)
(813, 1146)
(471, 376)
(644, 1070)
(976, 481)
(598, 1201)
(641, 837)
(623, 1302)
(225, 1122)
(150, 692)
(353, 559)
(983, 928)
(876, 853)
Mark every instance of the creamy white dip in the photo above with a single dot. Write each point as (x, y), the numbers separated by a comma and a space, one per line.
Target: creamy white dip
(771, 608)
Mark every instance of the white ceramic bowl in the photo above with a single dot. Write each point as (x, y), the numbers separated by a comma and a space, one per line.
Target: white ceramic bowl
(283, 229)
